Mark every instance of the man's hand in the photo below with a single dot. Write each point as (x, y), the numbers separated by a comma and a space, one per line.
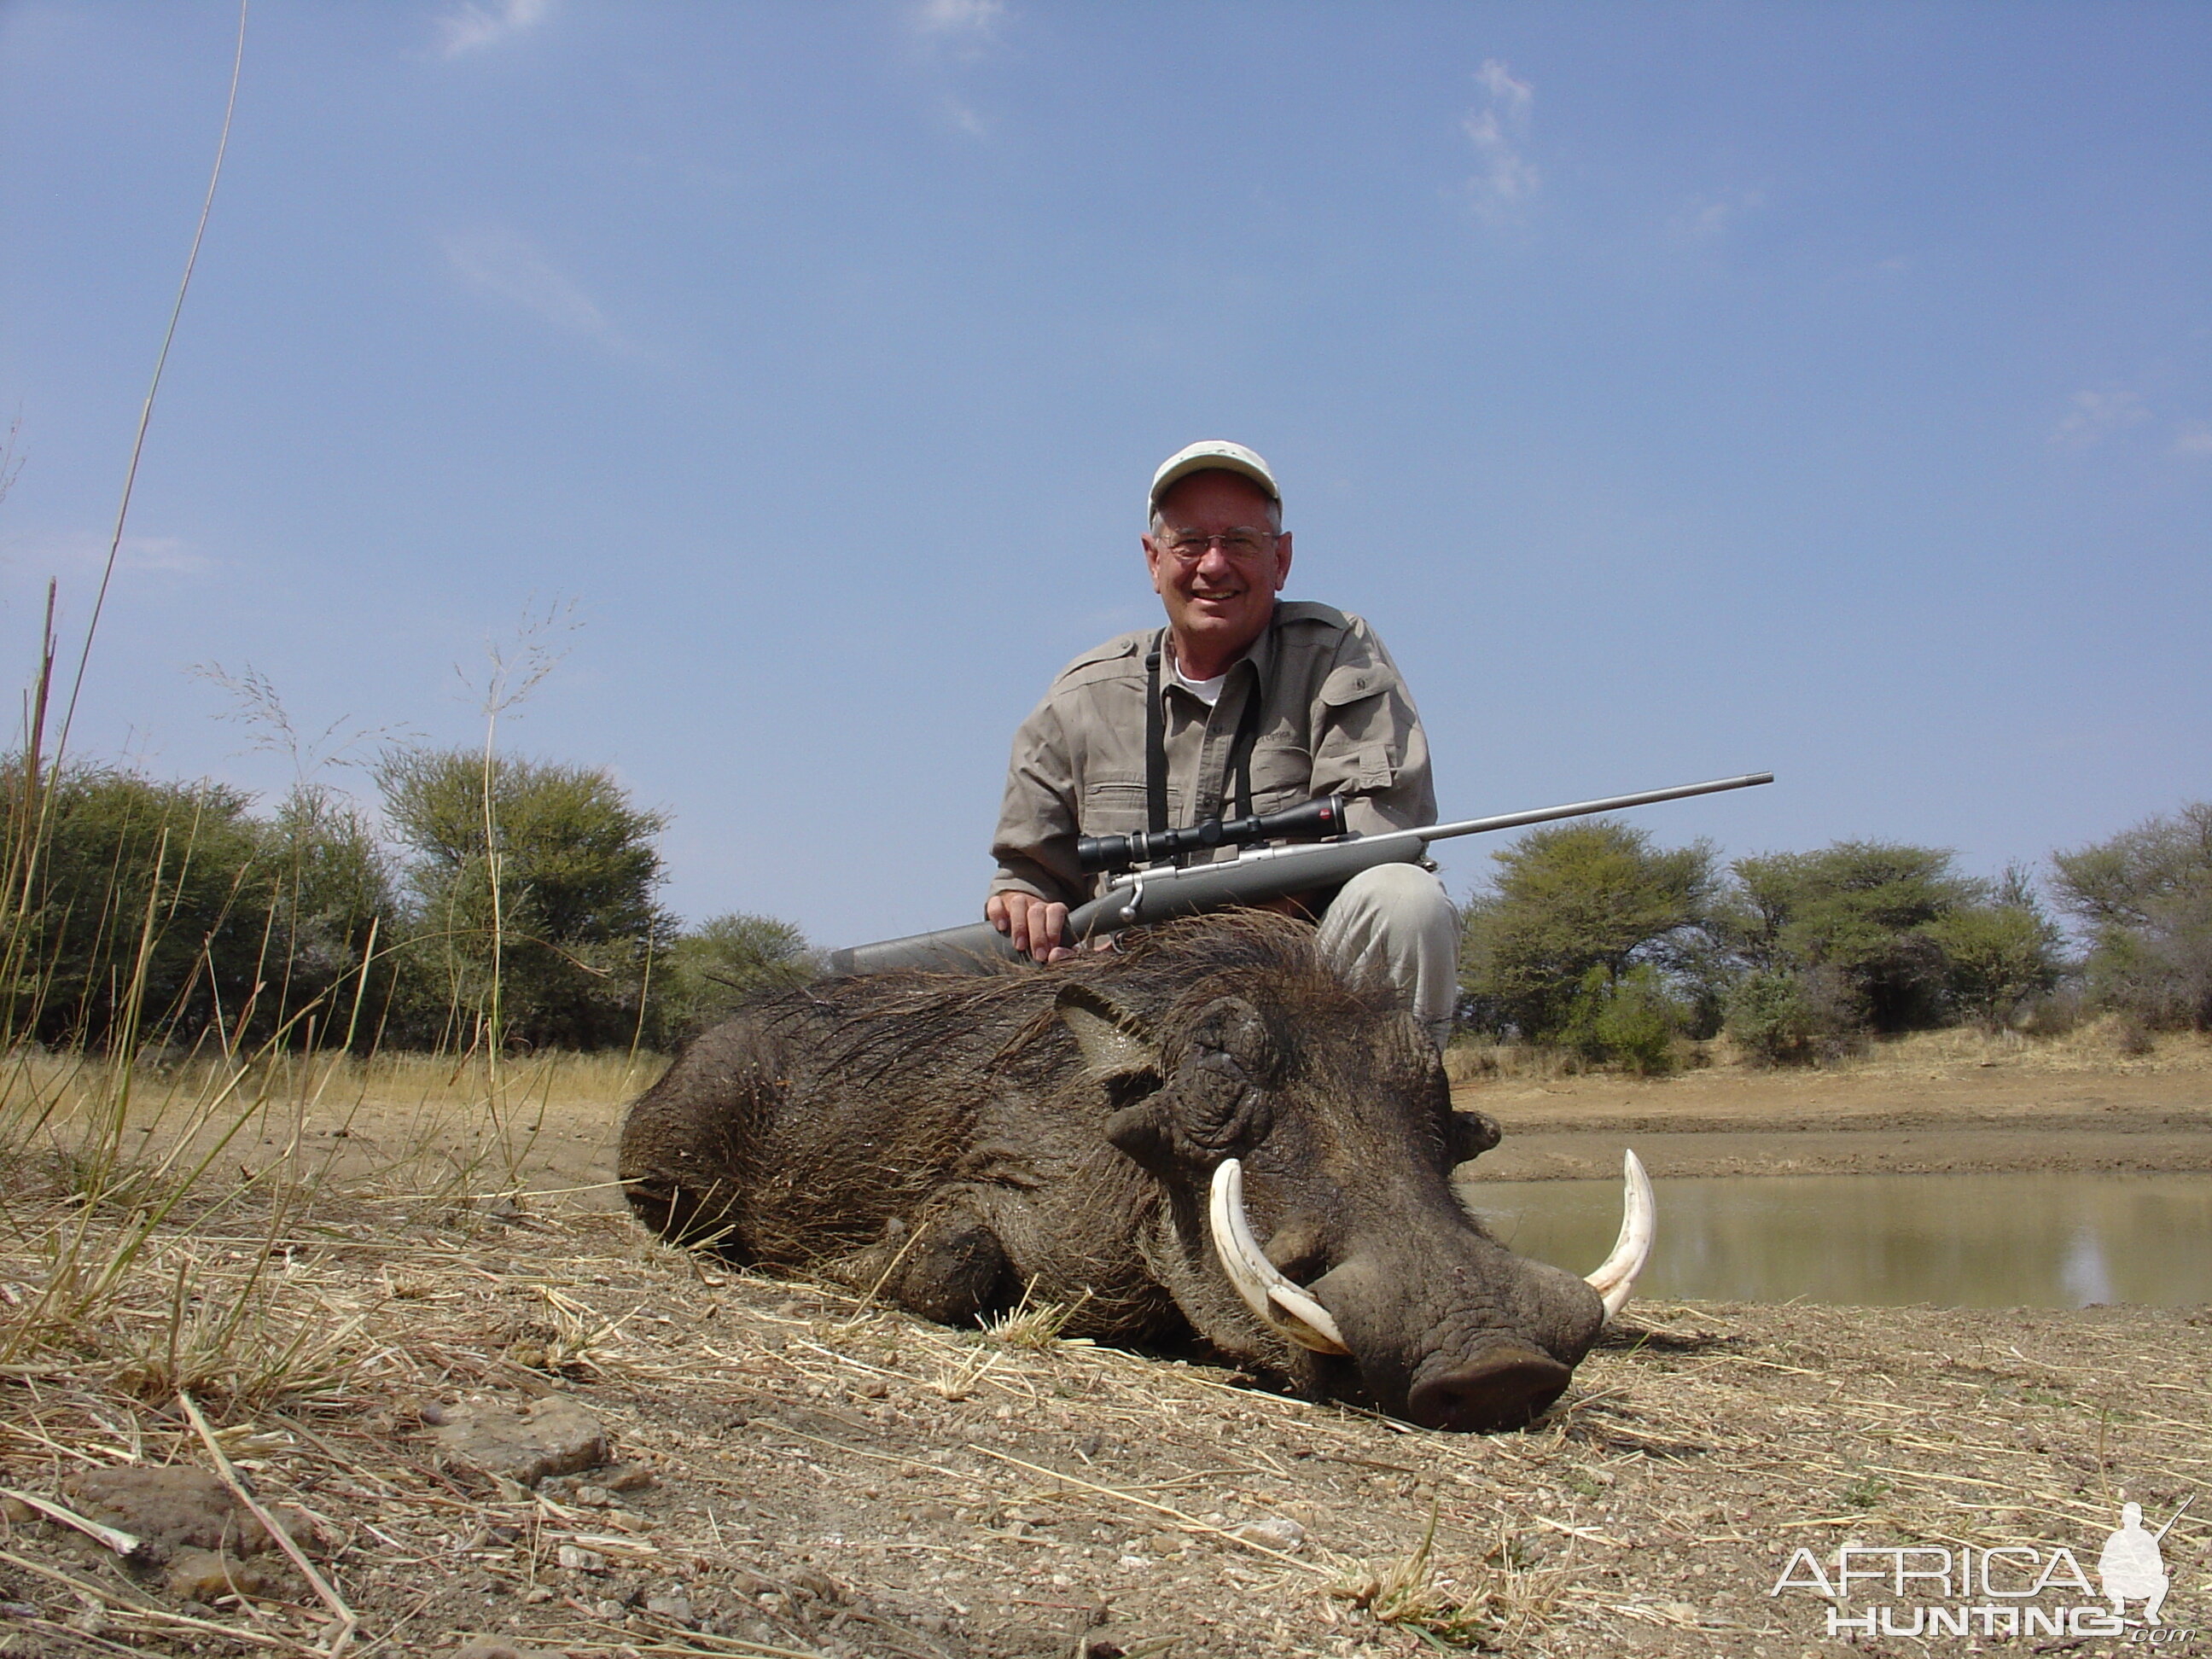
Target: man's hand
(1033, 925)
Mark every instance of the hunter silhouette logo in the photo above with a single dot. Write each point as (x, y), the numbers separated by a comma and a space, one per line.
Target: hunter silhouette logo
(2130, 1568)
(2007, 1589)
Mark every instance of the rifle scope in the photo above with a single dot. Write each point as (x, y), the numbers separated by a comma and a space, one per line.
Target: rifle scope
(1314, 820)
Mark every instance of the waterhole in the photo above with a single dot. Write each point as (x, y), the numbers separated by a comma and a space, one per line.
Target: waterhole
(1960, 1241)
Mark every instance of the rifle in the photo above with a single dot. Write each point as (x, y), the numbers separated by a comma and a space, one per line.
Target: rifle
(1142, 896)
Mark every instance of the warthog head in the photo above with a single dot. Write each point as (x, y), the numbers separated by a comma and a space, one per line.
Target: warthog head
(1301, 1135)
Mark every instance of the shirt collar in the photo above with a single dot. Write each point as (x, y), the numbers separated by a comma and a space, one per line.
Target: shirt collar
(1261, 654)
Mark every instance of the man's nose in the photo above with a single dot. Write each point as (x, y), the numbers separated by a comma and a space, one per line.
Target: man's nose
(1214, 563)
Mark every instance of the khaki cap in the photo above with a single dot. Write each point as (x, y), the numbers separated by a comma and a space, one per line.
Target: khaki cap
(1211, 455)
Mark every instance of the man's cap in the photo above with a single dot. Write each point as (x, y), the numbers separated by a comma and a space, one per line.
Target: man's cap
(1211, 455)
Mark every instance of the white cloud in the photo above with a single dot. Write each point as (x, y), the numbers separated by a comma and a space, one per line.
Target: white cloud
(477, 24)
(2194, 439)
(502, 264)
(1708, 218)
(1505, 178)
(1497, 81)
(969, 18)
(2097, 414)
(947, 33)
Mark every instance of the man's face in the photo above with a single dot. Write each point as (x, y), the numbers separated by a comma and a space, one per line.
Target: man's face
(1217, 564)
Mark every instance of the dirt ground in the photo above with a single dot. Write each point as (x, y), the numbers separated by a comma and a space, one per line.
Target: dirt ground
(790, 1473)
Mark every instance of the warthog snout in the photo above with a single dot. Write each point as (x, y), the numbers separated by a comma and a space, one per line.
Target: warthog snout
(1505, 1387)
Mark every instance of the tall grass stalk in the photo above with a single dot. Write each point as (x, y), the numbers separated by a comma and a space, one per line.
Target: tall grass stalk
(153, 390)
(511, 677)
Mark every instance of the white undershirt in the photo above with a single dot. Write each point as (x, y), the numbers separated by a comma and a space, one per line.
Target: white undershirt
(1206, 691)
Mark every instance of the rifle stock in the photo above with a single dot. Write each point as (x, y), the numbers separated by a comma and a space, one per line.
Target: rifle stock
(1253, 877)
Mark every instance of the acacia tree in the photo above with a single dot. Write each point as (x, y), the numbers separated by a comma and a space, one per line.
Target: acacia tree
(1877, 935)
(1863, 913)
(2146, 897)
(533, 888)
(1580, 917)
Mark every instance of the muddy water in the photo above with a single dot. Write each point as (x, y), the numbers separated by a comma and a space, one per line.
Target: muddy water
(1966, 1241)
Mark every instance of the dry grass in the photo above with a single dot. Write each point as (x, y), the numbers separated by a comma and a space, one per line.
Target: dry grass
(2107, 1044)
(408, 1124)
(35, 1084)
(830, 1478)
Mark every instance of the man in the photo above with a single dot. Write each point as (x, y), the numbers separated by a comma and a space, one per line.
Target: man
(1242, 703)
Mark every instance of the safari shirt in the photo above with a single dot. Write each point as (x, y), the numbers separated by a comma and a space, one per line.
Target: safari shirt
(1337, 720)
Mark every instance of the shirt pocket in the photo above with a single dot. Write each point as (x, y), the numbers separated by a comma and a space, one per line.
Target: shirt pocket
(1360, 745)
(1282, 775)
(1116, 806)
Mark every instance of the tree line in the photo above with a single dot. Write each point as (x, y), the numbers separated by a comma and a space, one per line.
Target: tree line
(1590, 937)
(503, 901)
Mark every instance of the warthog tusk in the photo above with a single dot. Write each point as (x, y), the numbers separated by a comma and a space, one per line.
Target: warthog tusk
(1281, 1306)
(1639, 1219)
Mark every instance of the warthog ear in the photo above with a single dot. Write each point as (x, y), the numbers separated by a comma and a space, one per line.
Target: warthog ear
(1114, 1043)
(1471, 1134)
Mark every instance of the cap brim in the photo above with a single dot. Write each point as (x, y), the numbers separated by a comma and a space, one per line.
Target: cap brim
(1214, 457)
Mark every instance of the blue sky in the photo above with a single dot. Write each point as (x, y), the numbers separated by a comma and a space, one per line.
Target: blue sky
(1681, 390)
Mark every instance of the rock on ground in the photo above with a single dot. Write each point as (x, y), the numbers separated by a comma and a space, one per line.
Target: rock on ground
(546, 1437)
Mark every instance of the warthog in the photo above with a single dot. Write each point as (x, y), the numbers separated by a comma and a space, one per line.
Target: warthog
(1111, 1135)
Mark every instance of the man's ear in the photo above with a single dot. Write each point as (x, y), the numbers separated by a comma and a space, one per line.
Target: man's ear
(1114, 1041)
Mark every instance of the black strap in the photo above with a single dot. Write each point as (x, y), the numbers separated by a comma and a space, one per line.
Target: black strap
(1240, 747)
(1156, 742)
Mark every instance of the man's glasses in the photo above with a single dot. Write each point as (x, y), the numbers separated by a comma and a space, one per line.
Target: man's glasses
(1189, 547)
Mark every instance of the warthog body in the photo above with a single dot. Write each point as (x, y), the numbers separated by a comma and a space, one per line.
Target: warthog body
(963, 1141)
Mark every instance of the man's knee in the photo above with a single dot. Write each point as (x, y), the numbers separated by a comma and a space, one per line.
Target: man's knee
(1392, 907)
(1395, 919)
(1396, 898)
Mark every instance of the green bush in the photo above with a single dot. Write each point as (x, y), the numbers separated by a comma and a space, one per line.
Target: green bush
(144, 911)
(139, 915)
(139, 912)
(1786, 1017)
(1864, 912)
(1631, 1021)
(1997, 957)
(333, 902)
(709, 970)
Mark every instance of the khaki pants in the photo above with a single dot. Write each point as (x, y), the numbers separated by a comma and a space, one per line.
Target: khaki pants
(1395, 920)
